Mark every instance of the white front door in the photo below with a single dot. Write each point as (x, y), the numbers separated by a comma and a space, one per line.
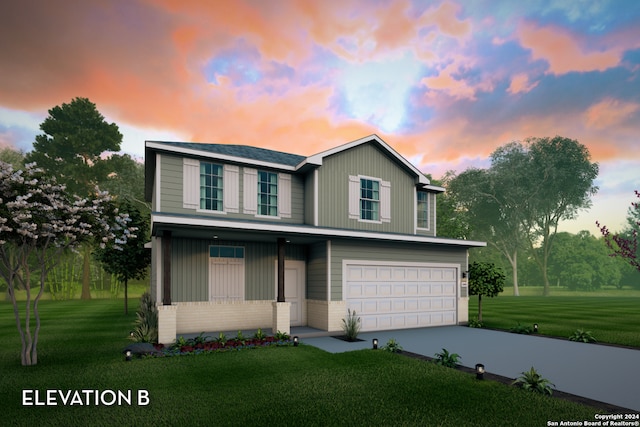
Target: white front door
(294, 289)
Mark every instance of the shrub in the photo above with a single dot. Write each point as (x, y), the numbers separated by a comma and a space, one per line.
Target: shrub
(444, 358)
(393, 346)
(521, 329)
(581, 335)
(475, 323)
(146, 324)
(259, 335)
(222, 339)
(281, 336)
(532, 381)
(351, 325)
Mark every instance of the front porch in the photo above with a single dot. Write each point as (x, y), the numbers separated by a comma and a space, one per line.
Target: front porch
(193, 318)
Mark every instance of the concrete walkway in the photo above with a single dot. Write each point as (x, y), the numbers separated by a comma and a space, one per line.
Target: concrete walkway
(604, 373)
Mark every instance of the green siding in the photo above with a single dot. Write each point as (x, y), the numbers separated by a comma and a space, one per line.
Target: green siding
(171, 182)
(317, 272)
(367, 160)
(308, 199)
(190, 268)
(397, 252)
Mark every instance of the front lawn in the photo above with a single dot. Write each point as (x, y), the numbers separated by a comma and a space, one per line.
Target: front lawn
(614, 320)
(81, 347)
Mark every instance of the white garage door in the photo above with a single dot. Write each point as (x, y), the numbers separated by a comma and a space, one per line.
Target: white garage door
(401, 296)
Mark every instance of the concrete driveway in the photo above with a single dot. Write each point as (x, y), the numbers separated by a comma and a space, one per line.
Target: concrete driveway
(604, 373)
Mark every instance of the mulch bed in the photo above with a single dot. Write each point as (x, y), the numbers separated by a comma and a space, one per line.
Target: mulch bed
(607, 407)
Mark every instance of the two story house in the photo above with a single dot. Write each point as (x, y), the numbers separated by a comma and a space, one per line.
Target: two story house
(246, 238)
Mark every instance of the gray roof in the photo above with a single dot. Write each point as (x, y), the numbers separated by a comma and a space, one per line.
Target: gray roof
(243, 151)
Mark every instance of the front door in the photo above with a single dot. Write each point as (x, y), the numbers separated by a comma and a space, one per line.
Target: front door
(294, 289)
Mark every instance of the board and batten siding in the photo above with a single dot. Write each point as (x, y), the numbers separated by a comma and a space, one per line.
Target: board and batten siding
(317, 272)
(366, 160)
(190, 268)
(392, 252)
(172, 185)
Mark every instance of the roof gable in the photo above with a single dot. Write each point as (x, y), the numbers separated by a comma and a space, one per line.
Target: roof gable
(317, 159)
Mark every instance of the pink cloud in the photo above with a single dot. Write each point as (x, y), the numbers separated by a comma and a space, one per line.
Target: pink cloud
(609, 113)
(520, 83)
(564, 51)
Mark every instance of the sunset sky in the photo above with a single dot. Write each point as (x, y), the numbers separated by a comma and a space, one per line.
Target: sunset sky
(444, 83)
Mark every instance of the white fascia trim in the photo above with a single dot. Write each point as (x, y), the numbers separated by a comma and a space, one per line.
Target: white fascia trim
(159, 218)
(329, 270)
(217, 156)
(315, 197)
(316, 159)
(157, 182)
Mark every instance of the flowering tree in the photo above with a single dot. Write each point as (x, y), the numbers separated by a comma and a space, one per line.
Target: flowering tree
(625, 245)
(38, 221)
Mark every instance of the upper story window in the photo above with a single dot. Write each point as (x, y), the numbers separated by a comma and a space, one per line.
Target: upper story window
(211, 178)
(267, 193)
(422, 214)
(369, 199)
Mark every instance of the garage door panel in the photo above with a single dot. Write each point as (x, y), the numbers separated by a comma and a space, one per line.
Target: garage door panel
(354, 291)
(384, 290)
(394, 297)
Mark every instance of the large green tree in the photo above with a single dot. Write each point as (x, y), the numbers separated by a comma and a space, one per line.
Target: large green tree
(561, 178)
(493, 199)
(530, 187)
(73, 147)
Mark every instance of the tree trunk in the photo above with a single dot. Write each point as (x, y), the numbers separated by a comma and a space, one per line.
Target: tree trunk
(126, 298)
(514, 267)
(86, 290)
(479, 308)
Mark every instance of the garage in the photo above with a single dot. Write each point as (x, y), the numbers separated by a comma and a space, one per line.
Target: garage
(401, 295)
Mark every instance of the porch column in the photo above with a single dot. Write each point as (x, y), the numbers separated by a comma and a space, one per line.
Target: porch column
(166, 268)
(281, 255)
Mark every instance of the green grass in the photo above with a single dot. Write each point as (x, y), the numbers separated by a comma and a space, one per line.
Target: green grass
(614, 320)
(81, 345)
(537, 291)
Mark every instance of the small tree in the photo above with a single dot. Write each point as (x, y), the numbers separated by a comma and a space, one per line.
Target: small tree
(485, 279)
(132, 260)
(38, 221)
(625, 245)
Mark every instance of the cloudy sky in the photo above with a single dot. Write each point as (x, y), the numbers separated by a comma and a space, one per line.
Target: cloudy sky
(443, 82)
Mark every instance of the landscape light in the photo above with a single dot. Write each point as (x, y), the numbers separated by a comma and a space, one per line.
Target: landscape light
(295, 341)
(479, 371)
(128, 355)
(375, 343)
(535, 328)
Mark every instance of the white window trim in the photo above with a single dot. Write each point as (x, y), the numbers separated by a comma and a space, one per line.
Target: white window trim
(384, 204)
(415, 211)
